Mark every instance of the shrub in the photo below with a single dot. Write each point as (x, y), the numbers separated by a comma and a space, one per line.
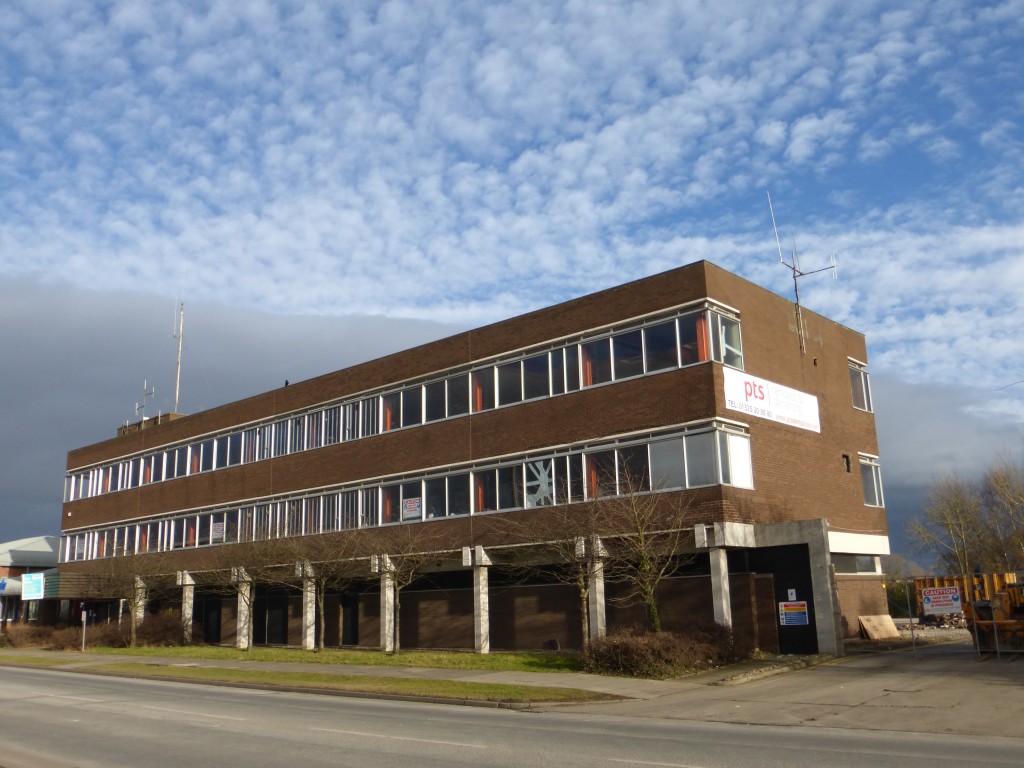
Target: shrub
(161, 629)
(660, 654)
(27, 635)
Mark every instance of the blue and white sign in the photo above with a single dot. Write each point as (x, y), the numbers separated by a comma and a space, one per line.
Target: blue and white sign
(33, 586)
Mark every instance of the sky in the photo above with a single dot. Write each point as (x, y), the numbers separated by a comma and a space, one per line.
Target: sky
(323, 183)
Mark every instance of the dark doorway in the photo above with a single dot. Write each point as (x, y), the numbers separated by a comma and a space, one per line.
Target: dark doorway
(791, 567)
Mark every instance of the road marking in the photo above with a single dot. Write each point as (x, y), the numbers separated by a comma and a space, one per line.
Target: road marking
(191, 714)
(634, 761)
(400, 738)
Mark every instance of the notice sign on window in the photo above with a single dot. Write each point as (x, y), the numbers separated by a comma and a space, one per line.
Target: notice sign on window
(793, 614)
(411, 508)
(758, 397)
(940, 600)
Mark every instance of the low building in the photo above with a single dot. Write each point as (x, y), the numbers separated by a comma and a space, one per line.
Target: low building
(37, 556)
(693, 388)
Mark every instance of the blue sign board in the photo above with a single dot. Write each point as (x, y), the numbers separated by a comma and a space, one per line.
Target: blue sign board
(33, 586)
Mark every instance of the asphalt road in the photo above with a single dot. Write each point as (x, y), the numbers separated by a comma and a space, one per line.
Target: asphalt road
(57, 720)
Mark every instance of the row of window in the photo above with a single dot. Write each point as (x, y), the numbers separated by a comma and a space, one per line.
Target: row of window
(711, 454)
(658, 345)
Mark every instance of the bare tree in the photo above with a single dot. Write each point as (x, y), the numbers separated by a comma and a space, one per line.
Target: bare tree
(133, 578)
(951, 525)
(648, 536)
(405, 552)
(330, 561)
(236, 569)
(558, 544)
(1002, 494)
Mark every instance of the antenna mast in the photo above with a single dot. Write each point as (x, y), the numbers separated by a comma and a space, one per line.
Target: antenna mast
(140, 410)
(797, 274)
(180, 335)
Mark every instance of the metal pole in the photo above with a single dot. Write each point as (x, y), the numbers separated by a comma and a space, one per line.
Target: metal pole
(85, 615)
(910, 616)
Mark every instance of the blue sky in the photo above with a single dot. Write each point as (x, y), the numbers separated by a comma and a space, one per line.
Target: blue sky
(458, 163)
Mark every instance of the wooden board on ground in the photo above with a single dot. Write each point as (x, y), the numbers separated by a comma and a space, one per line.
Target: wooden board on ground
(878, 627)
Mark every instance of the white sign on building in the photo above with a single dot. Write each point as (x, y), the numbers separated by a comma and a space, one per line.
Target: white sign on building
(758, 397)
(33, 586)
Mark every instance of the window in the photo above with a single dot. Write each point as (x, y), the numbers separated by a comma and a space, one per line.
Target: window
(845, 563)
(391, 410)
(434, 394)
(558, 372)
(666, 464)
(726, 341)
(660, 346)
(700, 460)
(539, 483)
(458, 395)
(483, 390)
(535, 377)
(436, 497)
(629, 354)
(458, 494)
(693, 338)
(597, 362)
(485, 491)
(332, 425)
(601, 476)
(412, 406)
(737, 469)
(871, 479)
(510, 383)
(860, 384)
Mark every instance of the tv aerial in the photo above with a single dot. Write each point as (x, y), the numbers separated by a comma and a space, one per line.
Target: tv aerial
(797, 274)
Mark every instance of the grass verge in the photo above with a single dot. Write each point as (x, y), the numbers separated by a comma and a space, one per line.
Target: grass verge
(437, 689)
(498, 662)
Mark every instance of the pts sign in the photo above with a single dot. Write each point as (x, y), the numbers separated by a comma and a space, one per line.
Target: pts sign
(758, 397)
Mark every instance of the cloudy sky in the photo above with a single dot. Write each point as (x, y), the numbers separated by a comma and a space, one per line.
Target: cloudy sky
(323, 182)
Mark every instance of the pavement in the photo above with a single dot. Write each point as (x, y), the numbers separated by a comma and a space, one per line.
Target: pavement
(937, 689)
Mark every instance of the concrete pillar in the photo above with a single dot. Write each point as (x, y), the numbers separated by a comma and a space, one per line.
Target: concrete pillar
(308, 612)
(304, 572)
(382, 564)
(188, 596)
(720, 596)
(595, 599)
(243, 586)
(481, 602)
(139, 608)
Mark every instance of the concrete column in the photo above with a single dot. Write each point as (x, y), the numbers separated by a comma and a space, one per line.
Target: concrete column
(139, 609)
(720, 596)
(304, 571)
(188, 595)
(382, 564)
(243, 586)
(308, 613)
(481, 602)
(595, 599)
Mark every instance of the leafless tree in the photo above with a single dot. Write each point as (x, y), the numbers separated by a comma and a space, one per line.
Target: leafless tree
(951, 525)
(1002, 494)
(406, 551)
(133, 578)
(331, 561)
(558, 544)
(236, 569)
(647, 539)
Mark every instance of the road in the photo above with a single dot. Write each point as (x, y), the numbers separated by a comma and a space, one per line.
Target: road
(57, 720)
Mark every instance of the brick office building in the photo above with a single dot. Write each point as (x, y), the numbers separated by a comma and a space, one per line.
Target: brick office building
(696, 379)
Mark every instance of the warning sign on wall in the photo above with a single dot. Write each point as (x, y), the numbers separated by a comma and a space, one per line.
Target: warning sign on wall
(793, 613)
(940, 600)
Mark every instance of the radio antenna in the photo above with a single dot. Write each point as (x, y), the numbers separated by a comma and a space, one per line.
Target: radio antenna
(179, 336)
(140, 410)
(797, 274)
